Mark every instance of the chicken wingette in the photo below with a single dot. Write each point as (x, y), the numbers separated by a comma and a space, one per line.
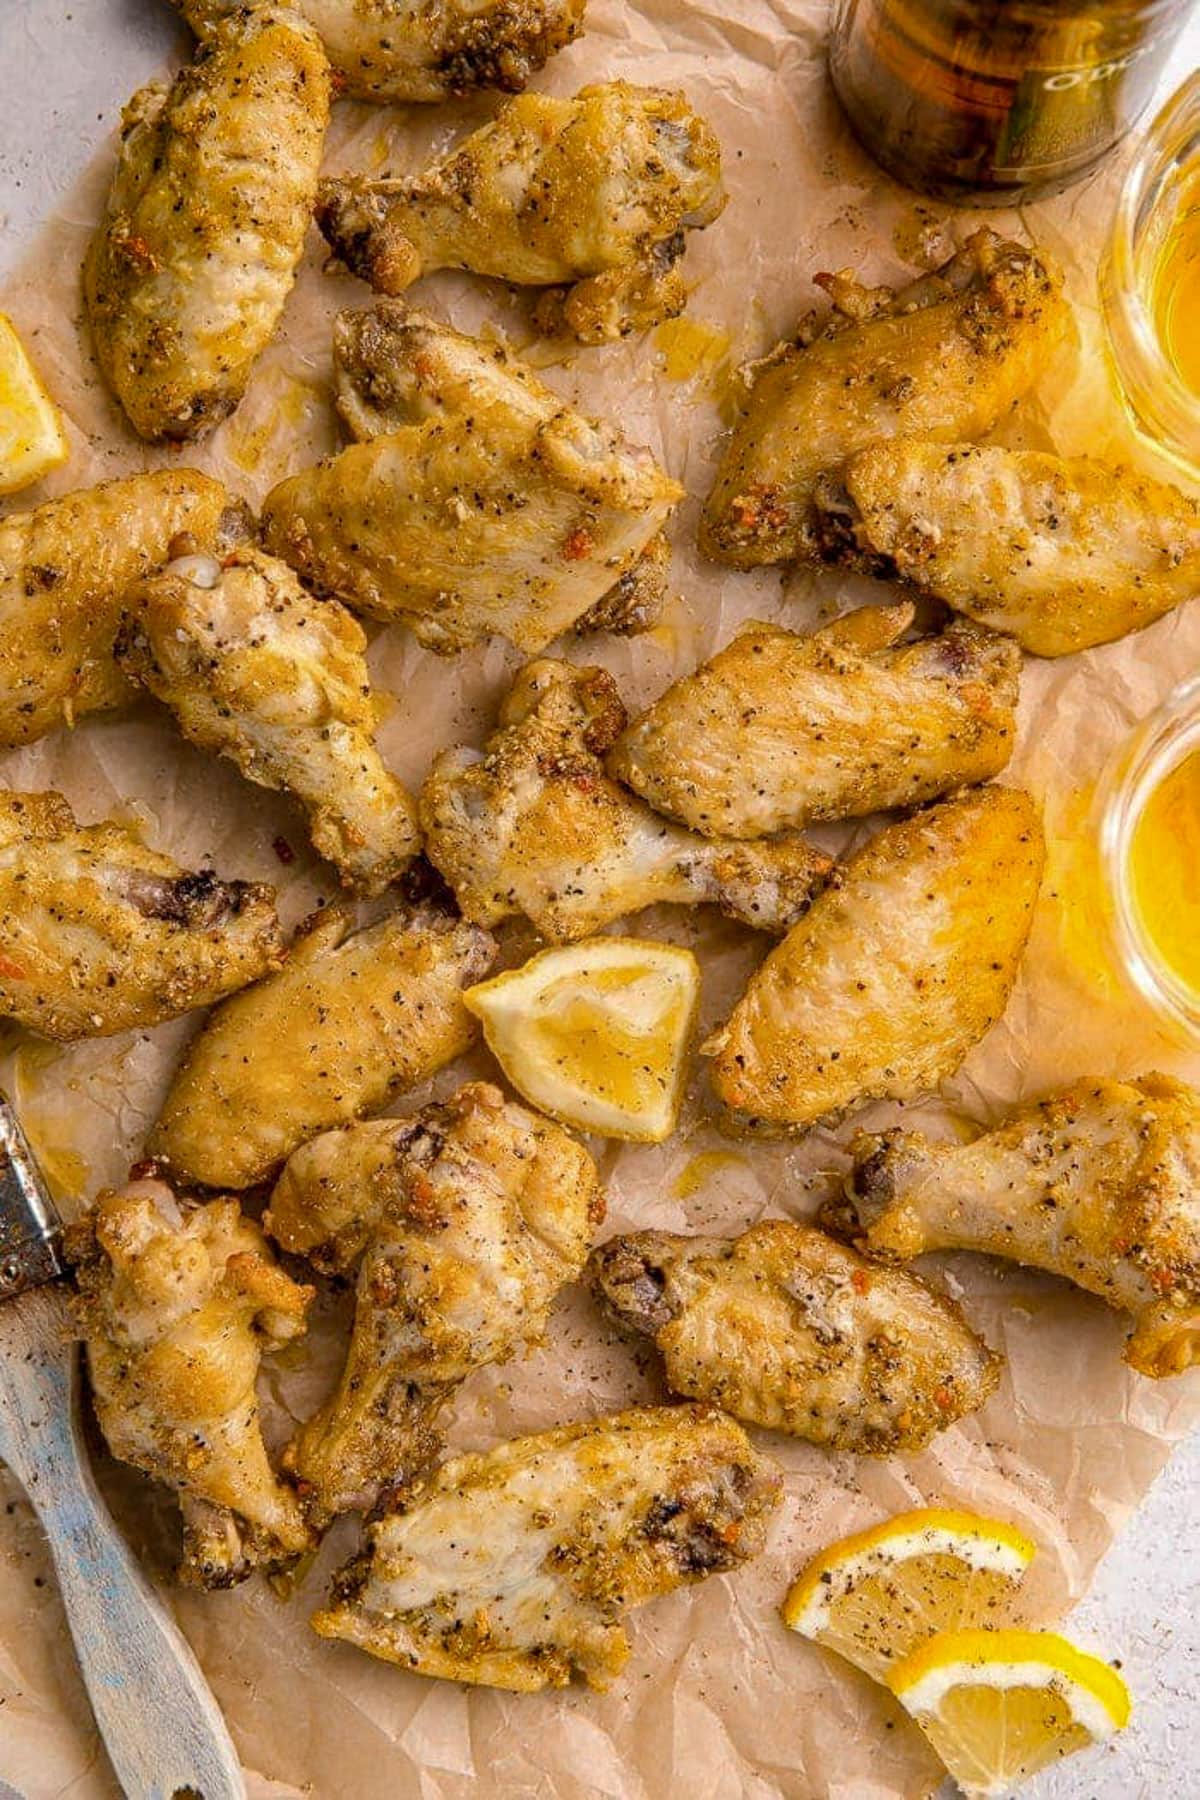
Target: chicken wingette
(1096, 1183)
(897, 970)
(514, 1569)
(260, 671)
(779, 729)
(946, 356)
(187, 274)
(465, 1222)
(64, 572)
(532, 825)
(351, 1019)
(98, 934)
(589, 198)
(1062, 552)
(783, 1327)
(176, 1306)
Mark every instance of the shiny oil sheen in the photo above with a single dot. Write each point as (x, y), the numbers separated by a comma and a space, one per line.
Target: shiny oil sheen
(1164, 870)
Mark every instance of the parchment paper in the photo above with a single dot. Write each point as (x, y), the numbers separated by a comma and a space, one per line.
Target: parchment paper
(718, 1699)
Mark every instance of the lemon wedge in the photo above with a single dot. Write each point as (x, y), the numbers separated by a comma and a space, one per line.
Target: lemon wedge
(997, 1706)
(32, 439)
(596, 1034)
(875, 1596)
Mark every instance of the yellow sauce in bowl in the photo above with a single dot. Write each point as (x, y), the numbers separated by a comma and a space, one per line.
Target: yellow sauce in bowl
(1164, 870)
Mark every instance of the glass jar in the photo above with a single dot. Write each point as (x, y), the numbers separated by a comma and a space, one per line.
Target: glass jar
(1150, 282)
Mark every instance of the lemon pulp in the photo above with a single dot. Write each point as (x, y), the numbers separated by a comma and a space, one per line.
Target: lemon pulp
(601, 1032)
(32, 441)
(1164, 871)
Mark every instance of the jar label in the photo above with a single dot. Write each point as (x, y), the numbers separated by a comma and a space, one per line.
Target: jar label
(1060, 115)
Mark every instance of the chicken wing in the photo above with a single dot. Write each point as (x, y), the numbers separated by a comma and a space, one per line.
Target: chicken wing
(1097, 1183)
(533, 825)
(188, 272)
(779, 730)
(176, 1307)
(98, 934)
(495, 509)
(514, 1569)
(898, 969)
(345, 1024)
(595, 192)
(785, 1328)
(64, 572)
(473, 1215)
(256, 669)
(946, 355)
(1063, 553)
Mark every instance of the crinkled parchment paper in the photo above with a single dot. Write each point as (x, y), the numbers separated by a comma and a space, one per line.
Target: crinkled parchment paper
(717, 1699)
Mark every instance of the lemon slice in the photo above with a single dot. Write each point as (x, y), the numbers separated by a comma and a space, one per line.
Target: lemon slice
(997, 1706)
(596, 1034)
(875, 1596)
(32, 440)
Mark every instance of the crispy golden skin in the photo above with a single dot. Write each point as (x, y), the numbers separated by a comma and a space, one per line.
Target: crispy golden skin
(256, 669)
(778, 730)
(406, 50)
(596, 192)
(533, 825)
(515, 1569)
(897, 970)
(1062, 552)
(64, 572)
(468, 1219)
(785, 1328)
(189, 269)
(946, 355)
(347, 1022)
(98, 934)
(495, 510)
(176, 1306)
(1096, 1183)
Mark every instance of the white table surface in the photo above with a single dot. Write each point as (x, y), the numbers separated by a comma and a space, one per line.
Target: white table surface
(66, 68)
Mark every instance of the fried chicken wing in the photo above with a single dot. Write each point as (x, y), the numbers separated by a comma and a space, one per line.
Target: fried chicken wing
(347, 1022)
(533, 825)
(946, 355)
(778, 730)
(1062, 552)
(176, 1306)
(515, 1569)
(188, 272)
(414, 50)
(64, 572)
(472, 1216)
(479, 503)
(1097, 1183)
(256, 669)
(897, 970)
(98, 934)
(785, 1328)
(595, 192)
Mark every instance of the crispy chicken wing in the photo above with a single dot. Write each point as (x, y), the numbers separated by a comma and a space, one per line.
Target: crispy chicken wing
(347, 1022)
(176, 1306)
(1097, 1183)
(946, 355)
(785, 1328)
(898, 969)
(188, 272)
(778, 730)
(405, 50)
(256, 669)
(98, 934)
(514, 1569)
(64, 571)
(494, 509)
(1063, 553)
(596, 192)
(473, 1215)
(533, 825)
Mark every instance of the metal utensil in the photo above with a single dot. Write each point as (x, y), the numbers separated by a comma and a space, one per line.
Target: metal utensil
(160, 1724)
